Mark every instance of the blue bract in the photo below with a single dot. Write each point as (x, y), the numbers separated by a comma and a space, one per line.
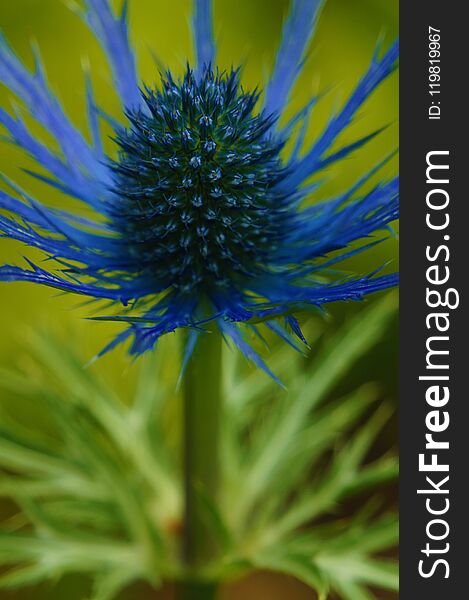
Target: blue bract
(202, 212)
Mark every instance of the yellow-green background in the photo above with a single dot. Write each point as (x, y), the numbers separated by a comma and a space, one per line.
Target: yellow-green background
(248, 33)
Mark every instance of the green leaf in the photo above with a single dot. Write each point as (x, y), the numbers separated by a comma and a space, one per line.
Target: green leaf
(24, 576)
(380, 472)
(352, 569)
(327, 491)
(108, 585)
(351, 591)
(282, 429)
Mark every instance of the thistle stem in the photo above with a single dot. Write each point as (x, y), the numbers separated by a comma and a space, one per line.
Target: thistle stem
(191, 590)
(202, 406)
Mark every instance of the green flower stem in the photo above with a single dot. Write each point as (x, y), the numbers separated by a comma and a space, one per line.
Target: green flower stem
(193, 590)
(202, 406)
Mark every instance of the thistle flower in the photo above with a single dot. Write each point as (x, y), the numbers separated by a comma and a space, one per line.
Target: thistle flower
(201, 212)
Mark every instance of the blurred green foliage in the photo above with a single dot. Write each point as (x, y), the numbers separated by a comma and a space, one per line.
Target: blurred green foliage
(97, 479)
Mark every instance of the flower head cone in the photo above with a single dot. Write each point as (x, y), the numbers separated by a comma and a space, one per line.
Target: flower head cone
(203, 213)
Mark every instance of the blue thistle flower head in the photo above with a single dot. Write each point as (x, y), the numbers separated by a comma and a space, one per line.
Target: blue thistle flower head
(201, 213)
(196, 182)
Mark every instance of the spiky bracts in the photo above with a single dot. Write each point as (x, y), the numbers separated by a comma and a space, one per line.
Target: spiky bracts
(203, 216)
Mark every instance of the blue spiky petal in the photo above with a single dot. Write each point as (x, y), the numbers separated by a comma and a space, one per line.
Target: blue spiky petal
(201, 212)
